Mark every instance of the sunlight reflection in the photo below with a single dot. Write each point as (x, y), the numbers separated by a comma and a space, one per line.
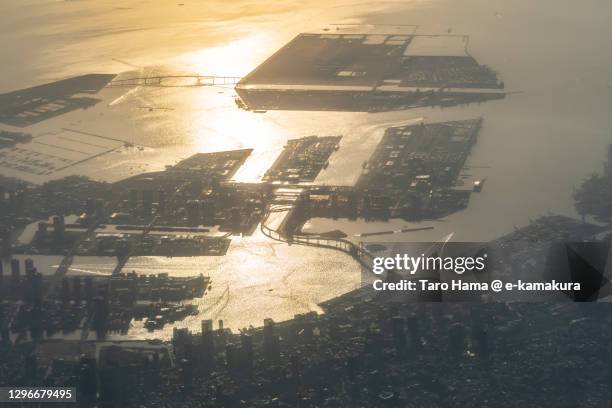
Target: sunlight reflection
(230, 128)
(236, 58)
(222, 126)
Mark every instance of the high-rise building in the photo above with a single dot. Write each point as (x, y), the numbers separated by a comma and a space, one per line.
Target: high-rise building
(1, 289)
(412, 324)
(5, 334)
(7, 245)
(236, 219)
(99, 208)
(100, 318)
(295, 366)
(207, 209)
(15, 276)
(28, 266)
(230, 356)
(20, 203)
(457, 339)
(271, 341)
(31, 368)
(88, 383)
(76, 288)
(246, 341)
(208, 344)
(133, 201)
(90, 206)
(89, 289)
(161, 201)
(193, 212)
(186, 366)
(180, 337)
(65, 290)
(36, 287)
(12, 202)
(399, 333)
(59, 228)
(147, 201)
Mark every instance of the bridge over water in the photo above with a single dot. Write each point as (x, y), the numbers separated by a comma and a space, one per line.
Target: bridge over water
(175, 81)
(283, 206)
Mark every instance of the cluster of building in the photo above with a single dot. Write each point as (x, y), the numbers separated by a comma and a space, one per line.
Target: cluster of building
(302, 159)
(29, 313)
(364, 352)
(120, 243)
(23, 203)
(34, 307)
(420, 157)
(193, 193)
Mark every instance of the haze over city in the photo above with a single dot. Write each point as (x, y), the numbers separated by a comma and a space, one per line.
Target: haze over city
(208, 184)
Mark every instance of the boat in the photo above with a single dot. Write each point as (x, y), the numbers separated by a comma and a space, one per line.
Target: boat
(478, 184)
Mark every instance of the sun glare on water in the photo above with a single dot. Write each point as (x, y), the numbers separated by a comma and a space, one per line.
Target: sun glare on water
(233, 59)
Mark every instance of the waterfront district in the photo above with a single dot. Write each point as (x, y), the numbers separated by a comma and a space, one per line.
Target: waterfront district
(364, 350)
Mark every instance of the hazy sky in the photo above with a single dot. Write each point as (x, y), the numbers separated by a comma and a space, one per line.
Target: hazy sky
(49, 39)
(43, 38)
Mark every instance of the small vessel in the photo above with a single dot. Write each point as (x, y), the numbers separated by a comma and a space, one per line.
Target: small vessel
(478, 184)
